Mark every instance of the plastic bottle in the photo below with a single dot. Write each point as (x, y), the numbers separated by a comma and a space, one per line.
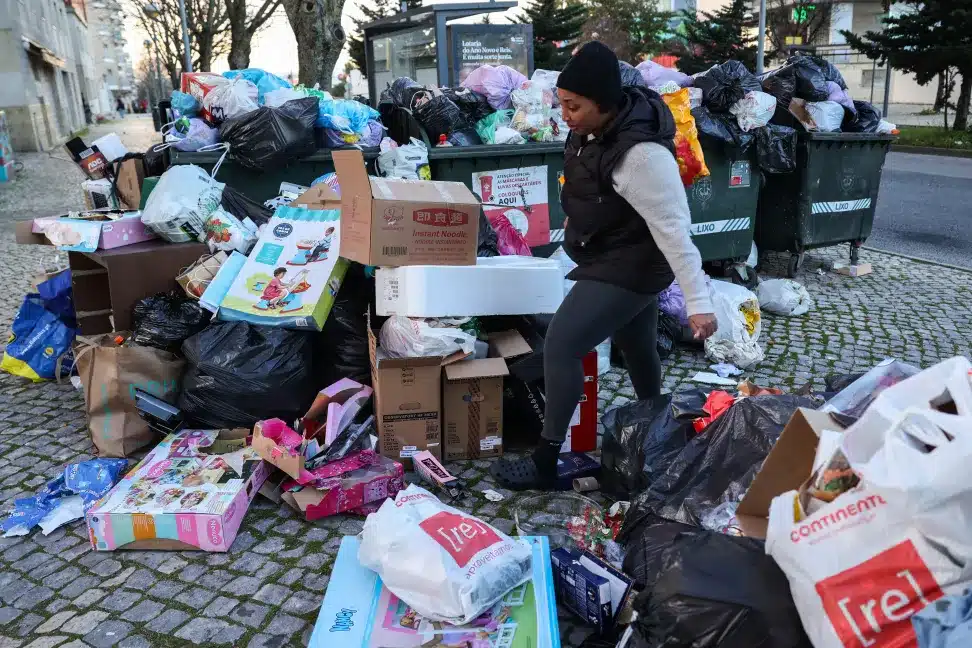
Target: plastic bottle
(443, 141)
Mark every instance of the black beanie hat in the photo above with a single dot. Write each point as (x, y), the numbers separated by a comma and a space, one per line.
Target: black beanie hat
(593, 72)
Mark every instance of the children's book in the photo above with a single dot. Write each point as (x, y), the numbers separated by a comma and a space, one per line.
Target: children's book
(360, 612)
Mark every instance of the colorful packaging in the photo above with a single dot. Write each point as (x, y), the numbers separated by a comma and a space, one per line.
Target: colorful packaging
(688, 150)
(344, 492)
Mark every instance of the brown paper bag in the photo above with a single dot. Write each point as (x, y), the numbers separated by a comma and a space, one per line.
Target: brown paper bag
(110, 374)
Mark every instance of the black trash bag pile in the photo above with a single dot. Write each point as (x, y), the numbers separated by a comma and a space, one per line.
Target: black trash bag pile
(781, 86)
(341, 348)
(270, 137)
(641, 438)
(440, 116)
(720, 462)
(395, 108)
(866, 120)
(708, 590)
(166, 320)
(806, 77)
(723, 126)
(473, 105)
(724, 84)
(242, 207)
(630, 76)
(239, 374)
(776, 148)
(401, 92)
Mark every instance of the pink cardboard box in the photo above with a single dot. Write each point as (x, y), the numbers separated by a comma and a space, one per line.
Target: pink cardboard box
(86, 235)
(178, 498)
(346, 492)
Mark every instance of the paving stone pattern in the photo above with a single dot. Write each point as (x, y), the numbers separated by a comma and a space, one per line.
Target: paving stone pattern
(56, 592)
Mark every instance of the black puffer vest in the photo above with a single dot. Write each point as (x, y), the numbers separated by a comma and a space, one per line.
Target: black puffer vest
(605, 236)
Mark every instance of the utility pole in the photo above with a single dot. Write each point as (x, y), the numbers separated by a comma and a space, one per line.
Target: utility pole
(185, 36)
(761, 45)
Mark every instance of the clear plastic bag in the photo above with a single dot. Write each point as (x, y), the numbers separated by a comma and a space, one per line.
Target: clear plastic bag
(191, 134)
(534, 105)
(783, 297)
(411, 337)
(854, 399)
(738, 315)
(181, 203)
(232, 99)
(410, 161)
(755, 110)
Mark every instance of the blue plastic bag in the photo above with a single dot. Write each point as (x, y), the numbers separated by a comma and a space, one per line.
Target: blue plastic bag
(263, 80)
(184, 105)
(345, 115)
(58, 297)
(36, 342)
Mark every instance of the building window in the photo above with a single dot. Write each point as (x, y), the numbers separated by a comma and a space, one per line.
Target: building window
(873, 77)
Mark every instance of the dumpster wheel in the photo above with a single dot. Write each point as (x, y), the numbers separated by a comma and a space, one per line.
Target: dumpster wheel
(794, 264)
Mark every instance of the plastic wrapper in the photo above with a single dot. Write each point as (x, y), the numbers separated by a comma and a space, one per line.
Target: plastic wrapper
(441, 544)
(722, 126)
(867, 119)
(439, 116)
(533, 107)
(411, 337)
(166, 320)
(725, 84)
(352, 490)
(688, 150)
(783, 297)
(487, 126)
(407, 161)
(655, 74)
(496, 83)
(509, 241)
(642, 437)
(736, 341)
(239, 374)
(192, 134)
(264, 81)
(473, 105)
(630, 76)
(465, 137)
(776, 149)
(180, 204)
(709, 590)
(755, 110)
(184, 105)
(854, 399)
(272, 137)
(717, 465)
(345, 115)
(231, 100)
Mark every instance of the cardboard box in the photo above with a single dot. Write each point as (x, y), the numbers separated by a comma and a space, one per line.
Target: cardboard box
(347, 491)
(94, 230)
(387, 222)
(200, 84)
(178, 498)
(589, 587)
(504, 285)
(472, 408)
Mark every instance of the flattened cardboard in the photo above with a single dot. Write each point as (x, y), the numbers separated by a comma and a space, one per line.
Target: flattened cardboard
(508, 344)
(397, 222)
(786, 468)
(279, 455)
(226, 441)
(320, 196)
(472, 408)
(131, 174)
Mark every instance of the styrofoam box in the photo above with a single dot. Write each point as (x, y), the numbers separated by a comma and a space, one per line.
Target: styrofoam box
(504, 285)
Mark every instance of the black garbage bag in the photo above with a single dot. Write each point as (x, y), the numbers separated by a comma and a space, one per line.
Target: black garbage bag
(166, 320)
(711, 590)
(866, 120)
(401, 123)
(271, 137)
(722, 126)
(242, 207)
(465, 137)
(630, 76)
(440, 116)
(724, 84)
(341, 348)
(239, 373)
(641, 438)
(473, 105)
(781, 86)
(776, 148)
(669, 334)
(401, 92)
(488, 245)
(808, 79)
(828, 69)
(721, 461)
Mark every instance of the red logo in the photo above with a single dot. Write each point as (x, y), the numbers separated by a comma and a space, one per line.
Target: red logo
(871, 604)
(441, 217)
(486, 188)
(462, 537)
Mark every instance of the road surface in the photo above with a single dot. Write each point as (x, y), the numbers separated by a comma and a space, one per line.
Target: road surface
(925, 208)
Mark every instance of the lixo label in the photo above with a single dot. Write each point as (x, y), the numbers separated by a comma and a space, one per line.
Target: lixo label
(720, 226)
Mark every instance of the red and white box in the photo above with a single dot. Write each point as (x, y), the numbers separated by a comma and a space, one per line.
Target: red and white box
(200, 84)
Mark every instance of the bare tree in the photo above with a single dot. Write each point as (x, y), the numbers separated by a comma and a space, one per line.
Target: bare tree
(320, 38)
(802, 22)
(246, 18)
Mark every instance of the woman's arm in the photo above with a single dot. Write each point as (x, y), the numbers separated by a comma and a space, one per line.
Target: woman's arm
(649, 180)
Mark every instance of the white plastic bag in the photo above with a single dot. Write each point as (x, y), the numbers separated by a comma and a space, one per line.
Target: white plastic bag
(783, 297)
(739, 320)
(827, 115)
(445, 564)
(280, 96)
(232, 99)
(181, 203)
(862, 565)
(547, 80)
(414, 337)
(533, 104)
(507, 135)
(885, 127)
(755, 110)
(225, 232)
(408, 161)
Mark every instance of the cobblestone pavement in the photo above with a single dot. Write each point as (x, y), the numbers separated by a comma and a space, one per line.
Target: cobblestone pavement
(266, 591)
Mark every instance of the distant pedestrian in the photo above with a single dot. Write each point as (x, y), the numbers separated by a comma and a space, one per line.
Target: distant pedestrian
(120, 107)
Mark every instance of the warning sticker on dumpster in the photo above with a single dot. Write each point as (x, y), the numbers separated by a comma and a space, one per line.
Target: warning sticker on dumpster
(521, 196)
(740, 174)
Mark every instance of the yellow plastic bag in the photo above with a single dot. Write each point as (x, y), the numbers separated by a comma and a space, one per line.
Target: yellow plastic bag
(688, 150)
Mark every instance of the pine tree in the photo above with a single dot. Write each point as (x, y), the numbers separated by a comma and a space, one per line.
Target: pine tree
(718, 37)
(553, 21)
(930, 38)
(370, 13)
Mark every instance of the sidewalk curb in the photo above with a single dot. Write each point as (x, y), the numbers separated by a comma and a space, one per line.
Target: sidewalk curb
(931, 150)
(917, 259)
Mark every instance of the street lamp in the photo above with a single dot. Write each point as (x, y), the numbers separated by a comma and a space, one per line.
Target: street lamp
(152, 12)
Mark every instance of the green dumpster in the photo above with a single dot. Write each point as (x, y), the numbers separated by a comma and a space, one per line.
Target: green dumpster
(829, 199)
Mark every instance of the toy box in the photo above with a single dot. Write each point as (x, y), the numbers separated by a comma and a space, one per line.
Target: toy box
(179, 497)
(293, 273)
(330, 494)
(92, 230)
(200, 84)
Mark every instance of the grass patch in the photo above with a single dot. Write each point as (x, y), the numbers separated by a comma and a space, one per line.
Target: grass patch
(935, 136)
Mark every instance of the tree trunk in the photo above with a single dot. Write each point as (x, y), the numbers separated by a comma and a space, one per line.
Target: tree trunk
(940, 93)
(965, 98)
(239, 56)
(320, 37)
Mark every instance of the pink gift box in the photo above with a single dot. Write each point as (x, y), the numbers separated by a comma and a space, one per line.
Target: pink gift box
(349, 491)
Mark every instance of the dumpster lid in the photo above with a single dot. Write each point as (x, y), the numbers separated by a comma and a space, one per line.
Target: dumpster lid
(848, 137)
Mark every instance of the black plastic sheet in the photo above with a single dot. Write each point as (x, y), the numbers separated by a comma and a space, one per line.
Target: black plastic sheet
(708, 590)
(166, 320)
(488, 244)
(401, 92)
(270, 137)
(341, 348)
(808, 79)
(776, 148)
(240, 373)
(464, 137)
(866, 120)
(242, 207)
(724, 84)
(781, 86)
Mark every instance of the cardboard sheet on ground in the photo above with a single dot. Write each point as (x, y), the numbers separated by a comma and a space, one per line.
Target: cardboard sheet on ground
(521, 196)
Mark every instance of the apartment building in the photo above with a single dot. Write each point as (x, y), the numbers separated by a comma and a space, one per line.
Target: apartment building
(112, 63)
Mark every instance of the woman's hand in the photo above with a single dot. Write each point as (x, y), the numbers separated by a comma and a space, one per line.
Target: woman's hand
(703, 325)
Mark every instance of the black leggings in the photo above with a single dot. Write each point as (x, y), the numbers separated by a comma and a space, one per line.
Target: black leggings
(591, 313)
